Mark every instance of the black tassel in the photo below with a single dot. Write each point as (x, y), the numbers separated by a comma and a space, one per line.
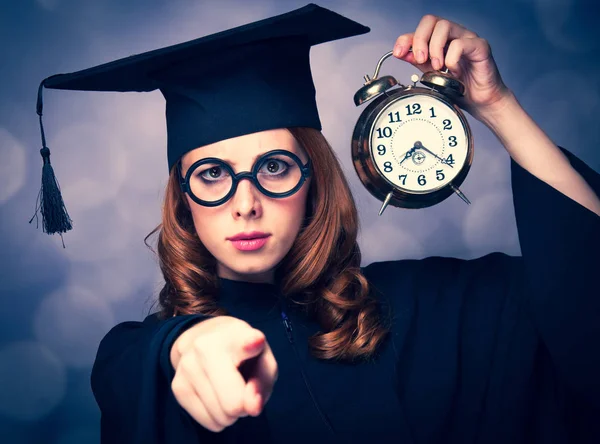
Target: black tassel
(55, 218)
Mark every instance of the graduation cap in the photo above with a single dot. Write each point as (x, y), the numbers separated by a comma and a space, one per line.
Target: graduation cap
(239, 81)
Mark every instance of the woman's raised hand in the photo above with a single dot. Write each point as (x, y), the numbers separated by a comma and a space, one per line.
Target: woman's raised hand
(224, 370)
(438, 42)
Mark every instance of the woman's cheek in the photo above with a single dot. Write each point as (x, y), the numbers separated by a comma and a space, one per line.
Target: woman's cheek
(207, 224)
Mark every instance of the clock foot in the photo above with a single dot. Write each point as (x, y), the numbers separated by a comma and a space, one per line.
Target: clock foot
(386, 202)
(460, 194)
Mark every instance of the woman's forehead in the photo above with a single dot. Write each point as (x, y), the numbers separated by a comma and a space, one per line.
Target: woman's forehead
(244, 148)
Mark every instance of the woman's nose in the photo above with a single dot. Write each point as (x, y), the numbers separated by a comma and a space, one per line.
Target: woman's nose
(246, 200)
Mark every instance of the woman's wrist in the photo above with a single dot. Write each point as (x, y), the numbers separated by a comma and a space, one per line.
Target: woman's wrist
(494, 116)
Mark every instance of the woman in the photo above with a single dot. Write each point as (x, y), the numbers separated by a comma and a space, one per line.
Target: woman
(270, 331)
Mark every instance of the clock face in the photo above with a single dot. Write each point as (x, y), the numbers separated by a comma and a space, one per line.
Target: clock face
(419, 143)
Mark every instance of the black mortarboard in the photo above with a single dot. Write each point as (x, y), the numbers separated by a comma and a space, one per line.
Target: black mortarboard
(246, 79)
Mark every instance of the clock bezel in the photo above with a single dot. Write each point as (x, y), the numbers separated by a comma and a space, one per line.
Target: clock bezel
(367, 170)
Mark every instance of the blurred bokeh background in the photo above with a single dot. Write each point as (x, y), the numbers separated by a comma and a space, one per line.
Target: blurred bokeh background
(109, 156)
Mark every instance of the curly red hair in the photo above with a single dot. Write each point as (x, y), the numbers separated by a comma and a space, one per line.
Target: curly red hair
(321, 271)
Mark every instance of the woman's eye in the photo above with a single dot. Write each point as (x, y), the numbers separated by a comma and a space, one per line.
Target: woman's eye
(212, 173)
(274, 167)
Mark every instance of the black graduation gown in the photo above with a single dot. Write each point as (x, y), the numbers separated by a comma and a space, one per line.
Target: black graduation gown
(497, 349)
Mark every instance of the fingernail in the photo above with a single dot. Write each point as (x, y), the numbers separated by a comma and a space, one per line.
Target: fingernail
(398, 50)
(420, 56)
(435, 63)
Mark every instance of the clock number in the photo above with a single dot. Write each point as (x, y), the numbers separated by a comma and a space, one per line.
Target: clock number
(416, 109)
(402, 177)
(452, 141)
(387, 167)
(397, 115)
(450, 160)
(387, 132)
(447, 124)
(439, 175)
(381, 149)
(433, 113)
(421, 179)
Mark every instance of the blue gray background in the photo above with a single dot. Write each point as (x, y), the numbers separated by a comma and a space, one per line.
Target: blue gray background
(109, 156)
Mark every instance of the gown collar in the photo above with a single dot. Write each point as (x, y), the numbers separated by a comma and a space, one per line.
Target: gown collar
(250, 301)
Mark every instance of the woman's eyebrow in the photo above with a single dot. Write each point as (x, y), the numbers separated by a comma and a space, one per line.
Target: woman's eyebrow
(233, 163)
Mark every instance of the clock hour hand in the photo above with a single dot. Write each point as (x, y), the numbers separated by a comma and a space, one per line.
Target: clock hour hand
(408, 154)
(419, 145)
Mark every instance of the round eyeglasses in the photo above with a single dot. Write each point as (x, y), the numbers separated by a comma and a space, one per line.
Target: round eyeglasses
(211, 182)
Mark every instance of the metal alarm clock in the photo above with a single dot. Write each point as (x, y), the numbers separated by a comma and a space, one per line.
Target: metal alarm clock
(412, 146)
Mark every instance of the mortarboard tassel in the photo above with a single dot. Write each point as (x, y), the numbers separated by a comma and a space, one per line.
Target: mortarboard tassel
(55, 218)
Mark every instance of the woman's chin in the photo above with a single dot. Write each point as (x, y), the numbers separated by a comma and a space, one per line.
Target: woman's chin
(249, 270)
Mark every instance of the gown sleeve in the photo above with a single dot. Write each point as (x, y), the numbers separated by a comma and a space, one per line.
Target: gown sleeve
(560, 246)
(131, 381)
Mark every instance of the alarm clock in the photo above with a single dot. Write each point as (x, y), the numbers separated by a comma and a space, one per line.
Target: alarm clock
(412, 146)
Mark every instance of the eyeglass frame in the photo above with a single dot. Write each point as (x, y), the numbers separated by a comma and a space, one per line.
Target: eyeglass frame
(305, 171)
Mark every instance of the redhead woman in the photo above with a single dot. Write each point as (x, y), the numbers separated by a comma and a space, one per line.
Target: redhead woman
(268, 328)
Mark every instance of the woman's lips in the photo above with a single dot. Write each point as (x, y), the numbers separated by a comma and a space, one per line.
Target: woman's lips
(250, 244)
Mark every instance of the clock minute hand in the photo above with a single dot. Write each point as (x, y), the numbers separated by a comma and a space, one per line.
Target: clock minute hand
(420, 146)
